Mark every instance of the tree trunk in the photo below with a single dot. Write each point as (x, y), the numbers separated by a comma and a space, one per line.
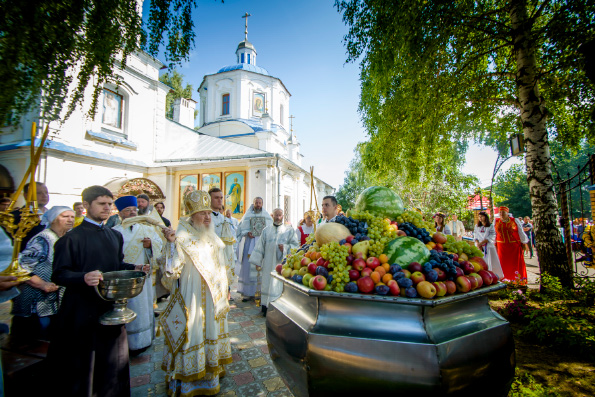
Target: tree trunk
(550, 249)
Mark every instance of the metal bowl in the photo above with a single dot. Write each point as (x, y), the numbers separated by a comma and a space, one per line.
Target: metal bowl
(118, 285)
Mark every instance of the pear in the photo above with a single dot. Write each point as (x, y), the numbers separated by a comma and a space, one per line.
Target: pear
(363, 247)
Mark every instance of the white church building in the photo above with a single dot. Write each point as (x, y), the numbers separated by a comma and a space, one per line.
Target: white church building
(244, 144)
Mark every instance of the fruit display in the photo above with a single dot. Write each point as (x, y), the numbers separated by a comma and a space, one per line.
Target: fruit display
(366, 252)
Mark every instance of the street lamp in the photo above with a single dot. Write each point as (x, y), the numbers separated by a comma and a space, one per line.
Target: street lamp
(517, 144)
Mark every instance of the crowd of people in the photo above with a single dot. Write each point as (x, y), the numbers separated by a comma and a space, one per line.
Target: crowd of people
(194, 265)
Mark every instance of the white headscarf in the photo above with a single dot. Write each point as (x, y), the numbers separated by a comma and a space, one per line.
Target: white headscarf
(51, 215)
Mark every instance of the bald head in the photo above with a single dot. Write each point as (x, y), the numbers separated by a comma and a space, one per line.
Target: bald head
(278, 216)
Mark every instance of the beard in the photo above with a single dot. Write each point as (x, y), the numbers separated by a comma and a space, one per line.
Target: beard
(143, 211)
(207, 233)
(257, 211)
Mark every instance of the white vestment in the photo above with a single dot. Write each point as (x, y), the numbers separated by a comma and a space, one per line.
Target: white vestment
(141, 331)
(489, 250)
(226, 231)
(197, 267)
(267, 254)
(255, 223)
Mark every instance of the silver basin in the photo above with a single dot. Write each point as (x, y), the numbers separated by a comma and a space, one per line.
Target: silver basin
(118, 287)
(326, 343)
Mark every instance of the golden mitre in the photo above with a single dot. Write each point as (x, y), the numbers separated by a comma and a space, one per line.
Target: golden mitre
(196, 201)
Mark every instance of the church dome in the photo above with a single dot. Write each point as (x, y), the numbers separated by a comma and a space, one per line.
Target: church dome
(244, 66)
(246, 44)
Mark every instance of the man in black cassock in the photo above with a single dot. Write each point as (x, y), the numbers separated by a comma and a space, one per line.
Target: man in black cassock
(85, 357)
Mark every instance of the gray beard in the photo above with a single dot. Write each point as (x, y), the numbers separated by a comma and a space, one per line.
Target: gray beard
(278, 224)
(143, 211)
(257, 211)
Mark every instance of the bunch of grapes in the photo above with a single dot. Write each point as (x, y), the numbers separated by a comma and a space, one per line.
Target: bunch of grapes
(414, 217)
(460, 247)
(337, 256)
(354, 226)
(380, 231)
(412, 231)
(310, 238)
(442, 261)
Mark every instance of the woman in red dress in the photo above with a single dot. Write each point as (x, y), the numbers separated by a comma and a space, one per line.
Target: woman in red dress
(510, 241)
(305, 229)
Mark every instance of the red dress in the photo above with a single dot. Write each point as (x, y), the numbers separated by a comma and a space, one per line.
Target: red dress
(510, 249)
(303, 236)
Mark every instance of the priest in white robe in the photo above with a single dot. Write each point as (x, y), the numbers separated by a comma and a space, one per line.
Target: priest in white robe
(225, 230)
(143, 245)
(197, 341)
(275, 242)
(249, 231)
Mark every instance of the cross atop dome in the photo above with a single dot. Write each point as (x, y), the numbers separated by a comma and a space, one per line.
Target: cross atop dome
(246, 16)
(246, 53)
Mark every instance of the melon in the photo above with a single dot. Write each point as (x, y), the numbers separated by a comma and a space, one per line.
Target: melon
(380, 201)
(404, 250)
(329, 232)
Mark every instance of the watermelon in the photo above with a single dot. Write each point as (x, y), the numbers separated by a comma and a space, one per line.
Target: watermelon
(380, 201)
(404, 250)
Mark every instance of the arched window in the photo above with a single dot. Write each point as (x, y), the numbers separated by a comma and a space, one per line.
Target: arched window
(225, 105)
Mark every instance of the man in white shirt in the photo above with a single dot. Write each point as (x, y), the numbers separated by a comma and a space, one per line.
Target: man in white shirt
(457, 228)
(329, 209)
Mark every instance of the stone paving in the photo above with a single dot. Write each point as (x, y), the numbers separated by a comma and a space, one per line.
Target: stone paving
(250, 374)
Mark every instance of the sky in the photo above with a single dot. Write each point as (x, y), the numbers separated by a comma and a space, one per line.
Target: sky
(301, 43)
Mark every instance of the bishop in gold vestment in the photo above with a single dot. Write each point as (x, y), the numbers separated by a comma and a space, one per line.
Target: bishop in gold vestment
(195, 321)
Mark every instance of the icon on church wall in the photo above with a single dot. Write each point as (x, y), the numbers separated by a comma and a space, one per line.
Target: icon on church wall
(112, 109)
(188, 184)
(258, 103)
(235, 193)
(209, 181)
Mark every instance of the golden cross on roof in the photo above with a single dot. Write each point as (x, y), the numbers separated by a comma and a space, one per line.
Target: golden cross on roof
(291, 122)
(246, 15)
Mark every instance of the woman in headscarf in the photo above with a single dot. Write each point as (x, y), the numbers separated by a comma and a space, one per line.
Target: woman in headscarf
(39, 298)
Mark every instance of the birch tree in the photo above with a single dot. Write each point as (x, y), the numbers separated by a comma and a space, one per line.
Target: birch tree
(435, 72)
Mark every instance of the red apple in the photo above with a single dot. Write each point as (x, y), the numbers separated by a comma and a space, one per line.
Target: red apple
(320, 262)
(350, 258)
(463, 284)
(459, 271)
(417, 277)
(348, 245)
(365, 285)
(478, 278)
(467, 267)
(372, 262)
(486, 276)
(438, 247)
(451, 287)
(473, 281)
(353, 274)
(349, 238)
(359, 255)
(279, 268)
(366, 272)
(414, 267)
(394, 288)
(441, 274)
(425, 289)
(305, 261)
(481, 261)
(495, 277)
(359, 264)
(402, 234)
(312, 268)
(440, 288)
(407, 273)
(455, 257)
(319, 283)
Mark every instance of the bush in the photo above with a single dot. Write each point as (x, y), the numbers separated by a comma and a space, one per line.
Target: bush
(524, 385)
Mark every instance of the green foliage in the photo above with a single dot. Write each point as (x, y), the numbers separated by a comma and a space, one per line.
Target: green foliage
(437, 191)
(51, 51)
(524, 385)
(176, 81)
(565, 318)
(512, 186)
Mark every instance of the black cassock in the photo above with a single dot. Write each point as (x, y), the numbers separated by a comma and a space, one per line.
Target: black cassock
(86, 358)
